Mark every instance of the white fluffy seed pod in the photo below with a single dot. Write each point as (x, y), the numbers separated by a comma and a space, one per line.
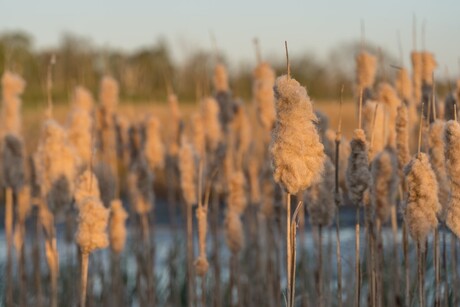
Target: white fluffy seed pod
(403, 84)
(82, 99)
(417, 68)
(92, 225)
(402, 136)
(296, 151)
(86, 186)
(79, 129)
(389, 97)
(358, 177)
(422, 205)
(428, 66)
(319, 198)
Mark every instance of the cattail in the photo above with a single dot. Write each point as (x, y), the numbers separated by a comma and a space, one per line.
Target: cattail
(403, 84)
(117, 226)
(106, 182)
(402, 136)
(57, 165)
(428, 66)
(220, 78)
(153, 149)
(417, 69)
(237, 200)
(12, 86)
(234, 231)
(358, 176)
(254, 181)
(422, 205)
(297, 153)
(198, 134)
(212, 125)
(452, 146)
(437, 160)
(374, 125)
(366, 66)
(243, 133)
(174, 124)
(13, 170)
(262, 90)
(109, 94)
(201, 264)
(388, 96)
(80, 134)
(344, 153)
(86, 186)
(82, 99)
(385, 183)
(92, 224)
(91, 235)
(187, 172)
(23, 209)
(320, 199)
(140, 183)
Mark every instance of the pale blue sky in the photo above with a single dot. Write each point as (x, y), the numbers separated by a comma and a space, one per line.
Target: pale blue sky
(314, 26)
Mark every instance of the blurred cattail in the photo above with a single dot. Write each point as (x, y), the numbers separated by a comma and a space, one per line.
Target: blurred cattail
(428, 66)
(82, 99)
(57, 165)
(12, 86)
(243, 133)
(187, 172)
(198, 134)
(254, 181)
(153, 148)
(80, 134)
(237, 200)
(201, 263)
(374, 126)
(452, 147)
(417, 70)
(234, 231)
(23, 209)
(106, 182)
(220, 78)
(422, 205)
(320, 199)
(108, 94)
(86, 186)
(344, 153)
(402, 136)
(140, 183)
(385, 183)
(403, 84)
(358, 176)
(262, 90)
(297, 153)
(438, 161)
(174, 124)
(117, 226)
(212, 125)
(366, 66)
(388, 96)
(13, 169)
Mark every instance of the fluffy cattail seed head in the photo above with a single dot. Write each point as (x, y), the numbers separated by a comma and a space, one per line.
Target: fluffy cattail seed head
(404, 84)
(262, 90)
(12, 86)
(82, 99)
(212, 126)
(13, 170)
(92, 224)
(86, 186)
(452, 149)
(429, 65)
(234, 231)
(422, 205)
(297, 153)
(109, 94)
(80, 134)
(417, 68)
(220, 78)
(402, 136)
(237, 200)
(358, 176)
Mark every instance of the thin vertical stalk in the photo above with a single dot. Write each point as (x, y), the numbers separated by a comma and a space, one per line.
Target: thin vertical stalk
(84, 278)
(453, 244)
(394, 228)
(288, 248)
(357, 261)
(437, 270)
(320, 267)
(9, 242)
(190, 278)
(420, 274)
(406, 265)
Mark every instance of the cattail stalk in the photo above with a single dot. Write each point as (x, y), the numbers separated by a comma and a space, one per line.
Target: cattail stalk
(9, 239)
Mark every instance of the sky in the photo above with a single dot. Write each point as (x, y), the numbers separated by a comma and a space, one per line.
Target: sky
(316, 27)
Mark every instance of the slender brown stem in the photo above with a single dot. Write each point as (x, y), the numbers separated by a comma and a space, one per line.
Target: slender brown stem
(394, 228)
(357, 262)
(406, 265)
(288, 250)
(9, 243)
(337, 216)
(84, 278)
(320, 267)
(437, 269)
(360, 107)
(190, 276)
(420, 273)
(453, 244)
(420, 131)
(288, 64)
